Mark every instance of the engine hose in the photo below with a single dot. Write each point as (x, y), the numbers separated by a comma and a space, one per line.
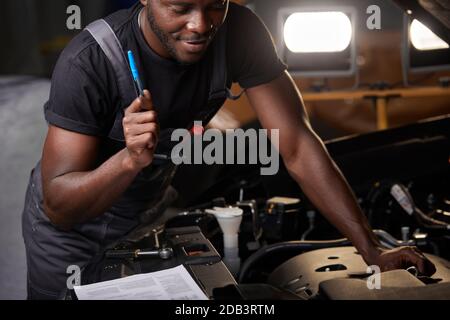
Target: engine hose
(401, 194)
(286, 246)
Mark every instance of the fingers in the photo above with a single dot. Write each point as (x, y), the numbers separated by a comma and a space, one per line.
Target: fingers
(147, 101)
(389, 266)
(405, 257)
(418, 262)
(429, 267)
(139, 118)
(141, 142)
(141, 135)
(139, 129)
(136, 124)
(140, 103)
(423, 265)
(134, 107)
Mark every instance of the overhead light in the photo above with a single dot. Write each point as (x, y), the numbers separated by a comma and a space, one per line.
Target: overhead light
(309, 32)
(422, 38)
(318, 41)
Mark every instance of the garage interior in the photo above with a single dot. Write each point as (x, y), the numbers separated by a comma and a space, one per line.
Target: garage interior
(381, 105)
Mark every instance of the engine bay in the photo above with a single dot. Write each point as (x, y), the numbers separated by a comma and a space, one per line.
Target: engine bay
(283, 248)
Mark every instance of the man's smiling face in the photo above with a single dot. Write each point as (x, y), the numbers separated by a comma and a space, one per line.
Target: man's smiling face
(183, 29)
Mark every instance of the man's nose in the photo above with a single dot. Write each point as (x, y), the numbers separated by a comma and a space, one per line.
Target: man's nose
(199, 23)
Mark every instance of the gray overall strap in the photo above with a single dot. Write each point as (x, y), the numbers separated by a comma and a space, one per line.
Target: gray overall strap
(219, 89)
(111, 46)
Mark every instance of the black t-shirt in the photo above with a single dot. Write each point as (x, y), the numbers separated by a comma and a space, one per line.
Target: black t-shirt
(84, 94)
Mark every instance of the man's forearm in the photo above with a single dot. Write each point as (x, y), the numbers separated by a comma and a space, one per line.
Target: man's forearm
(77, 197)
(327, 189)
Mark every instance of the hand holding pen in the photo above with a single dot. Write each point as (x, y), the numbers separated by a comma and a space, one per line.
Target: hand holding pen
(140, 126)
(140, 90)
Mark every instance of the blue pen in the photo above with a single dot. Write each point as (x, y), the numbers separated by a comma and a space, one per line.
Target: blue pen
(138, 82)
(135, 73)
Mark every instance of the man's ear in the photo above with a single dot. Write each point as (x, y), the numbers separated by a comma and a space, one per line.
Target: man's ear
(144, 2)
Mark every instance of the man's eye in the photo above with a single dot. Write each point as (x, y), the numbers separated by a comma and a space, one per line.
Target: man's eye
(180, 9)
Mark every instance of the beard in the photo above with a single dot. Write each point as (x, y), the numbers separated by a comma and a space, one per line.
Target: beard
(163, 37)
(167, 40)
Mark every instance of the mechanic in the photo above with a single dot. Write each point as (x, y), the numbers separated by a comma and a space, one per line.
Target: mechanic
(90, 186)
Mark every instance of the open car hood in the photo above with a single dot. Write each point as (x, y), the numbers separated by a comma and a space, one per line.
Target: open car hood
(435, 14)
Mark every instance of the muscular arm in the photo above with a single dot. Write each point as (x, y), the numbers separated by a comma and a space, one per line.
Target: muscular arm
(74, 189)
(278, 105)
